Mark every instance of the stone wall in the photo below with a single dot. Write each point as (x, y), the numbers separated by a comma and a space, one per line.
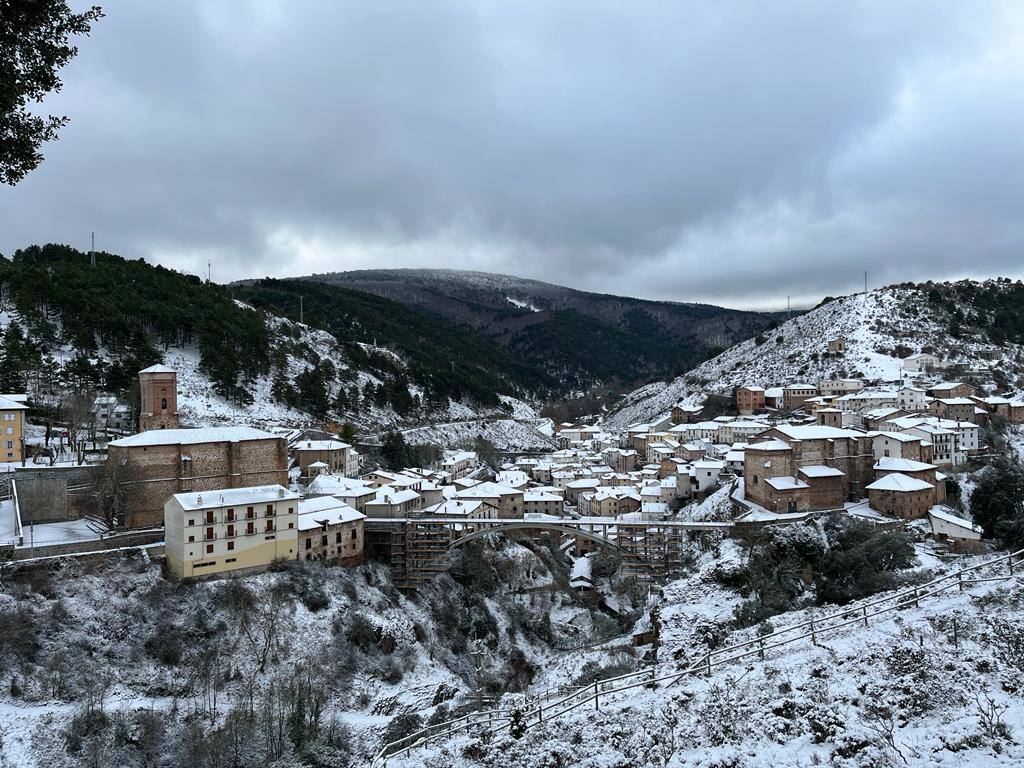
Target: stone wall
(155, 473)
(54, 494)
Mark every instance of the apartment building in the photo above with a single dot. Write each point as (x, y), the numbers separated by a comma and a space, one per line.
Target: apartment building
(12, 418)
(749, 399)
(224, 530)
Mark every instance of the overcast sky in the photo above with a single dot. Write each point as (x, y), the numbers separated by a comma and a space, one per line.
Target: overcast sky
(734, 153)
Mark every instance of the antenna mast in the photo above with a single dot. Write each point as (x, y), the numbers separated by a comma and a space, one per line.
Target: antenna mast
(92, 249)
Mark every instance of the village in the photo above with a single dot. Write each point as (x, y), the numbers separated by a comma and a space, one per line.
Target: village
(235, 499)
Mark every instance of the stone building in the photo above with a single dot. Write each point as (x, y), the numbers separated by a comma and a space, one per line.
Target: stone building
(331, 531)
(799, 468)
(158, 398)
(899, 495)
(152, 466)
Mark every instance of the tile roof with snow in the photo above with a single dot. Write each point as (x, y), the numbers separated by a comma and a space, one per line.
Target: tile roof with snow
(820, 470)
(227, 497)
(325, 510)
(815, 432)
(193, 436)
(158, 368)
(952, 519)
(9, 404)
(321, 445)
(786, 483)
(890, 464)
(770, 445)
(900, 483)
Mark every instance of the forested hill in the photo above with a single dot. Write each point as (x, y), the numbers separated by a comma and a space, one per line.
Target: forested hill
(131, 311)
(579, 336)
(444, 360)
(92, 328)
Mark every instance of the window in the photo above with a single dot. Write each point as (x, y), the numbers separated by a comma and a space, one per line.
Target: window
(355, 534)
(270, 510)
(291, 510)
(163, 403)
(249, 513)
(209, 534)
(270, 526)
(309, 543)
(231, 545)
(231, 531)
(209, 549)
(291, 525)
(230, 560)
(10, 443)
(209, 516)
(250, 528)
(337, 538)
(323, 541)
(231, 514)
(191, 539)
(191, 521)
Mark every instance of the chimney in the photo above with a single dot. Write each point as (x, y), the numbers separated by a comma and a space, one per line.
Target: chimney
(199, 498)
(280, 493)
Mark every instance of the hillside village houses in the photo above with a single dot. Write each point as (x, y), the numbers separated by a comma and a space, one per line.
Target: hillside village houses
(235, 498)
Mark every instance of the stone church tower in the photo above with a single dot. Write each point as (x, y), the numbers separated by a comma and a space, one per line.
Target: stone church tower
(158, 393)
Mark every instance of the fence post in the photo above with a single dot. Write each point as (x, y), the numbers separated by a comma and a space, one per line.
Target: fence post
(814, 635)
(596, 703)
(1009, 562)
(760, 647)
(917, 602)
(707, 659)
(960, 580)
(865, 609)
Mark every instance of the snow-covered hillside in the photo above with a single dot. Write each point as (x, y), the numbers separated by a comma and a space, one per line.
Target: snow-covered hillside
(934, 685)
(199, 405)
(879, 328)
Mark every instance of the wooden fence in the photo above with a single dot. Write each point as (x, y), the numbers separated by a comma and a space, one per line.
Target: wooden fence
(557, 702)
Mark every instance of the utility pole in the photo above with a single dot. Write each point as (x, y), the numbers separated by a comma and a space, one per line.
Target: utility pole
(92, 249)
(865, 281)
(209, 270)
(789, 308)
(302, 310)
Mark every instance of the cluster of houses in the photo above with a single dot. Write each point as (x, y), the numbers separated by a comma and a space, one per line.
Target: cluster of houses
(880, 453)
(237, 498)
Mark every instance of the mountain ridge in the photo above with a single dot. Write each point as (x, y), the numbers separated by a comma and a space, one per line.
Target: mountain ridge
(585, 338)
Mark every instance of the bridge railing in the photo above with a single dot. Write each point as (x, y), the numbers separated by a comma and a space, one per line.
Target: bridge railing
(543, 708)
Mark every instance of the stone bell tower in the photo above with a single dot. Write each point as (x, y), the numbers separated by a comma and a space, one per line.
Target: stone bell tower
(158, 395)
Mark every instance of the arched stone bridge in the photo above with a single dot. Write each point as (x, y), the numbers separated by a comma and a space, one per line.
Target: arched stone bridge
(417, 547)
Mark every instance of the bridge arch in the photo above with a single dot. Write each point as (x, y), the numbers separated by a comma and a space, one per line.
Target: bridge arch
(530, 525)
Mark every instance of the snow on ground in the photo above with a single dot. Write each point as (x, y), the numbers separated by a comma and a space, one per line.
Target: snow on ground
(913, 689)
(872, 325)
(63, 532)
(507, 434)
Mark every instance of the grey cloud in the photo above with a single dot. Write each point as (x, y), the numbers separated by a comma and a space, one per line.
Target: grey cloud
(693, 151)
